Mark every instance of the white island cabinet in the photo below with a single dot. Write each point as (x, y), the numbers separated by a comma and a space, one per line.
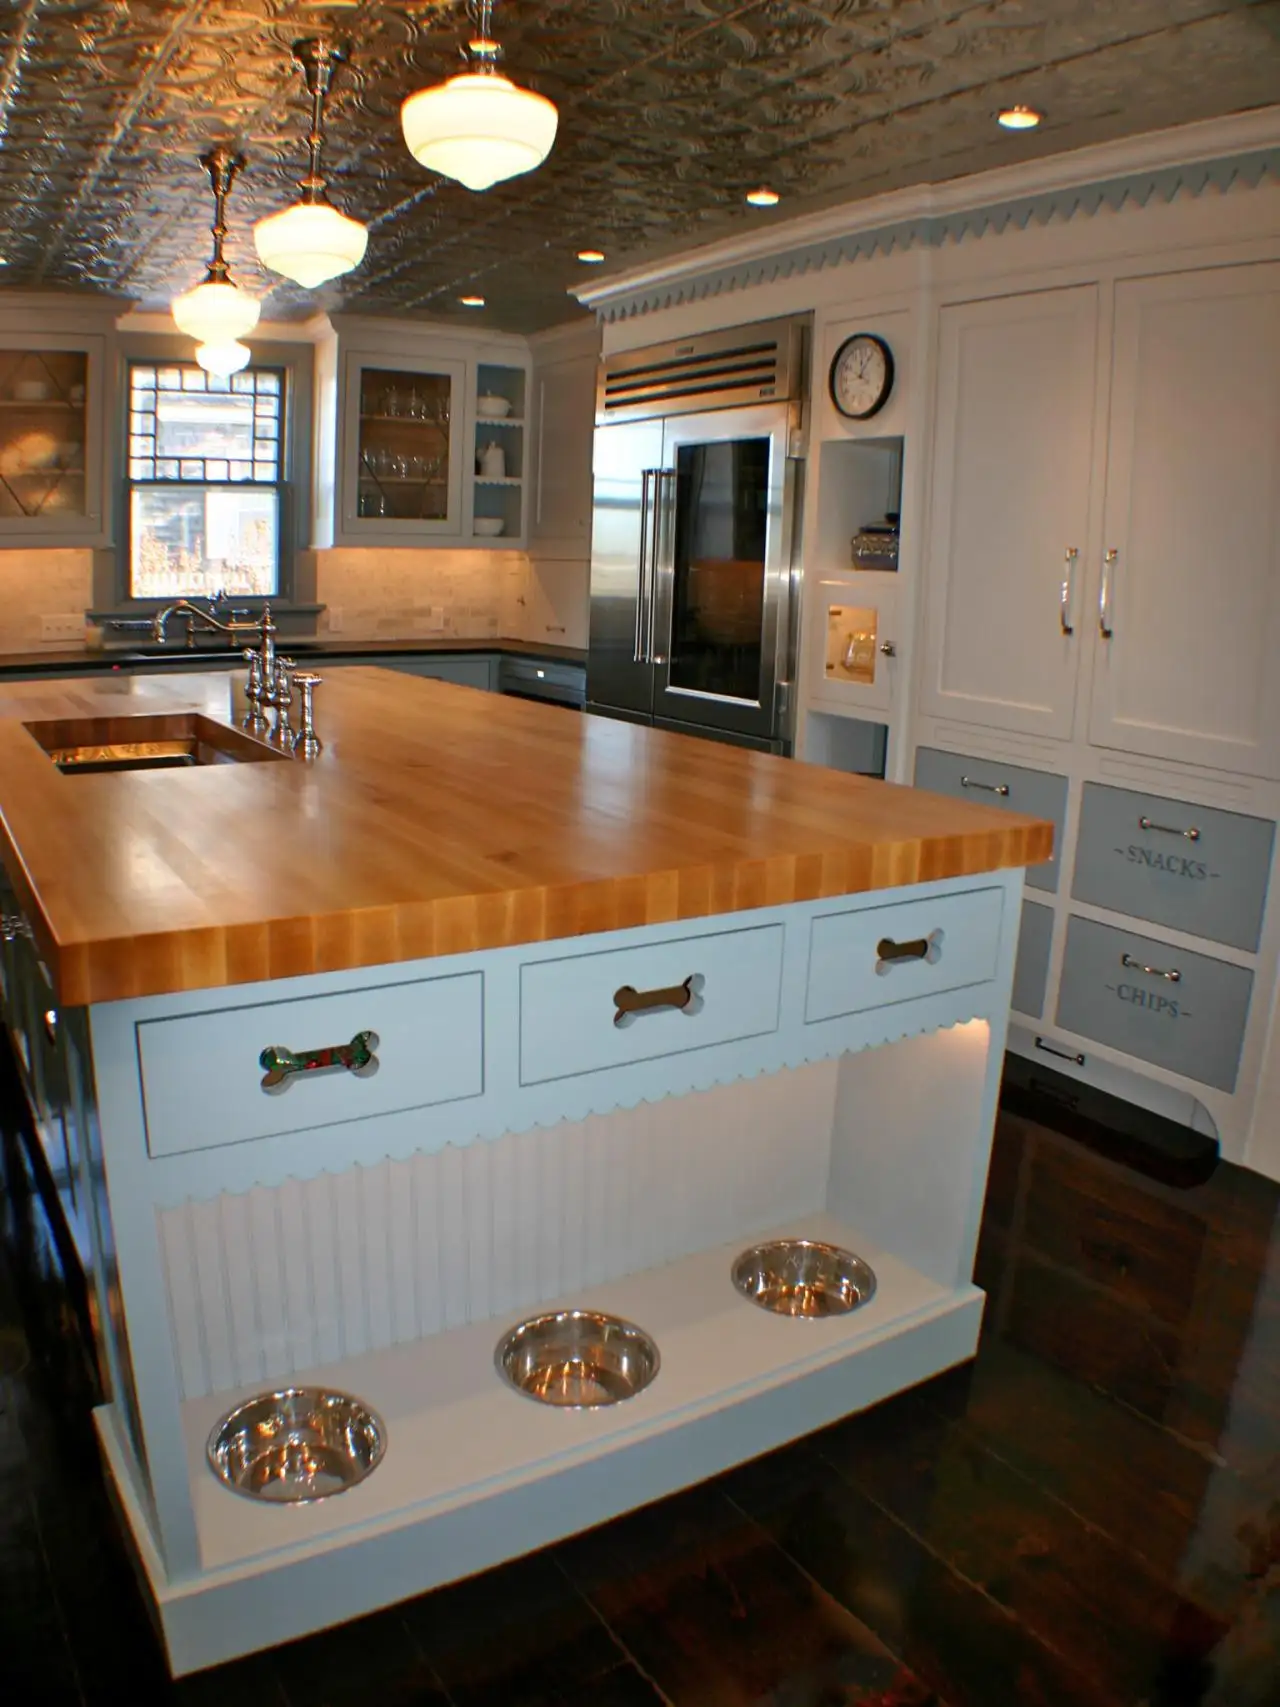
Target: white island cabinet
(804, 1040)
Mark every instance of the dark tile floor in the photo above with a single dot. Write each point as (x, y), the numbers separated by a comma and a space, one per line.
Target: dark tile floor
(1087, 1515)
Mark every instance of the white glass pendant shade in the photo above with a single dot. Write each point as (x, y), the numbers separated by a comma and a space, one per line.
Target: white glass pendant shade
(222, 360)
(216, 313)
(310, 242)
(479, 128)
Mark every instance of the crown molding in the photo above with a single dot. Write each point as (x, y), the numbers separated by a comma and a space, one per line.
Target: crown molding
(1242, 148)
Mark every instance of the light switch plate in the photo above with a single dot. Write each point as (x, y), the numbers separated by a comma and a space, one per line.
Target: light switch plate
(336, 618)
(67, 627)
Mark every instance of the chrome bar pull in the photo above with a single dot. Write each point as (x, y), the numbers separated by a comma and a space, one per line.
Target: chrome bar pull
(1104, 595)
(1192, 834)
(662, 524)
(1000, 788)
(1173, 976)
(1068, 584)
(638, 648)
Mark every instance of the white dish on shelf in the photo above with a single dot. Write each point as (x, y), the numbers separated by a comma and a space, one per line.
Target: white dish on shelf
(493, 407)
(487, 527)
(34, 391)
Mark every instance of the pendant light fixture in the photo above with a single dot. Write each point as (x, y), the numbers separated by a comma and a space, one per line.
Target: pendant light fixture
(311, 241)
(222, 360)
(217, 311)
(479, 127)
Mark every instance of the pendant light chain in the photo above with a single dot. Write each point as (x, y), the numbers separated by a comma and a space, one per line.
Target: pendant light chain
(319, 61)
(223, 168)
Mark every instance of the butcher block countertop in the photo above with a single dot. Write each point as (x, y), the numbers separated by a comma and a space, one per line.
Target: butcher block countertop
(437, 820)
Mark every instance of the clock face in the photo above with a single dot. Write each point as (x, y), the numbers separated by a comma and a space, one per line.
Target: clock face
(861, 376)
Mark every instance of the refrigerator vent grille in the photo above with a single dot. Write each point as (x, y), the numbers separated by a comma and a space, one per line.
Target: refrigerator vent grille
(749, 365)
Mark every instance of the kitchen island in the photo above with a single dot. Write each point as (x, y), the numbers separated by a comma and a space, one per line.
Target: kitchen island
(636, 1002)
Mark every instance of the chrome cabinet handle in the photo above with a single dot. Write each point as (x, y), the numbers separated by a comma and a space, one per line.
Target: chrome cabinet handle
(1000, 788)
(1173, 976)
(638, 647)
(890, 953)
(1191, 835)
(685, 998)
(1068, 581)
(13, 926)
(888, 649)
(663, 478)
(1104, 596)
(281, 1065)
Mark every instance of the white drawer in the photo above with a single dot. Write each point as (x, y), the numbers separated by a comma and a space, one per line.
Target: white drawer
(568, 1008)
(202, 1081)
(872, 957)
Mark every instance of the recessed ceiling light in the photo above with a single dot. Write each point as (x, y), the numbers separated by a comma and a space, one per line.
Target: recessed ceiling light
(591, 257)
(1019, 118)
(471, 301)
(763, 197)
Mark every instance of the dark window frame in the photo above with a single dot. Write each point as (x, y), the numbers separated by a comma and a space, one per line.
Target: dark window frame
(297, 571)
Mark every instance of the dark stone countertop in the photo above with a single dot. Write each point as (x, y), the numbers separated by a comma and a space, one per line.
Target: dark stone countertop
(81, 657)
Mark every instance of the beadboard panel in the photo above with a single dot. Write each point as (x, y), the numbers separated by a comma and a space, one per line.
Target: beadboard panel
(273, 1280)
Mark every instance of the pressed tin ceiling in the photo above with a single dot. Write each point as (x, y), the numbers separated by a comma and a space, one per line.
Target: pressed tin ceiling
(670, 110)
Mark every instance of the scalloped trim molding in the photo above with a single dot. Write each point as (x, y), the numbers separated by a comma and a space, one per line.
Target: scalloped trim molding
(1221, 154)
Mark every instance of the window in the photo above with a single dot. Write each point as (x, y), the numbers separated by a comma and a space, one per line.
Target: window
(206, 490)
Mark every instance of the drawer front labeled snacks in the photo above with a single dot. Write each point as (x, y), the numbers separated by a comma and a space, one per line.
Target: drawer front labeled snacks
(1182, 1011)
(1193, 867)
(871, 957)
(590, 1012)
(1031, 969)
(257, 1072)
(990, 782)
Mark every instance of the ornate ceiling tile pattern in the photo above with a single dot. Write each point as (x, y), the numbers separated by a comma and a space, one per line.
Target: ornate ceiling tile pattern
(670, 111)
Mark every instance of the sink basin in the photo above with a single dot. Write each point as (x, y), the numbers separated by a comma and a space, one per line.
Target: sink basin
(178, 740)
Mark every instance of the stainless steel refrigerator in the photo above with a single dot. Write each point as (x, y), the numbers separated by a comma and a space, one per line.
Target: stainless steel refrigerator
(695, 522)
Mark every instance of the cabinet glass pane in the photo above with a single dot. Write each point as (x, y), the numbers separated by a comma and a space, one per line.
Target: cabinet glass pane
(722, 510)
(42, 432)
(404, 444)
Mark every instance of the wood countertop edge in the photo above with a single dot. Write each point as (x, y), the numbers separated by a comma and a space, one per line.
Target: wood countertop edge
(229, 955)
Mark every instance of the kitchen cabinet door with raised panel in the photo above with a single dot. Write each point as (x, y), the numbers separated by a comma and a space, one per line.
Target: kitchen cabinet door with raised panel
(1188, 617)
(1011, 475)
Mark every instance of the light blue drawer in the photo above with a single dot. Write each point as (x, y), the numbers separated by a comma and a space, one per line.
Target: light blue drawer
(1040, 794)
(1195, 868)
(202, 1081)
(1114, 991)
(851, 969)
(1031, 969)
(568, 1007)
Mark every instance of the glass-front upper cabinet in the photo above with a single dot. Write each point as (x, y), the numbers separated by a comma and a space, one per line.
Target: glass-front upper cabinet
(51, 434)
(401, 466)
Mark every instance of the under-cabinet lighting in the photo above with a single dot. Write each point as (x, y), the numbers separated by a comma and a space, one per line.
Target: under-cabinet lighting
(471, 301)
(591, 257)
(1019, 118)
(763, 197)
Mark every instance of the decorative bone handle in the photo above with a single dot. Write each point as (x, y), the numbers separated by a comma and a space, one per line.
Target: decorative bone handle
(685, 997)
(282, 1064)
(890, 953)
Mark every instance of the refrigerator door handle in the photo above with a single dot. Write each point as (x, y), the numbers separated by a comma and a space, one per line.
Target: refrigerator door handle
(638, 651)
(663, 566)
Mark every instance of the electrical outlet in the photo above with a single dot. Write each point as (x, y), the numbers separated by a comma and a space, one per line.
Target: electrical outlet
(435, 619)
(68, 627)
(337, 618)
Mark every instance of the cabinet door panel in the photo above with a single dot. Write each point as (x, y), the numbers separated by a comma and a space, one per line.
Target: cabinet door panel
(1193, 515)
(1012, 459)
(401, 473)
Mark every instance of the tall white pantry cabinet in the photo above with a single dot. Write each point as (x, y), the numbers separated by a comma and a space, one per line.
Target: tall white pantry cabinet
(1100, 642)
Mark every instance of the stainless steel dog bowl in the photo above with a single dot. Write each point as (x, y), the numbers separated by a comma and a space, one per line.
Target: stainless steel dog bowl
(577, 1359)
(301, 1443)
(801, 1277)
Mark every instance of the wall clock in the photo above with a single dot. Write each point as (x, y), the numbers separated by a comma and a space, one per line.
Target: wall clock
(861, 376)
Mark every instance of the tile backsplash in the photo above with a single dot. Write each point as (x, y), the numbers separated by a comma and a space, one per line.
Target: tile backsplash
(397, 594)
(410, 594)
(35, 584)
